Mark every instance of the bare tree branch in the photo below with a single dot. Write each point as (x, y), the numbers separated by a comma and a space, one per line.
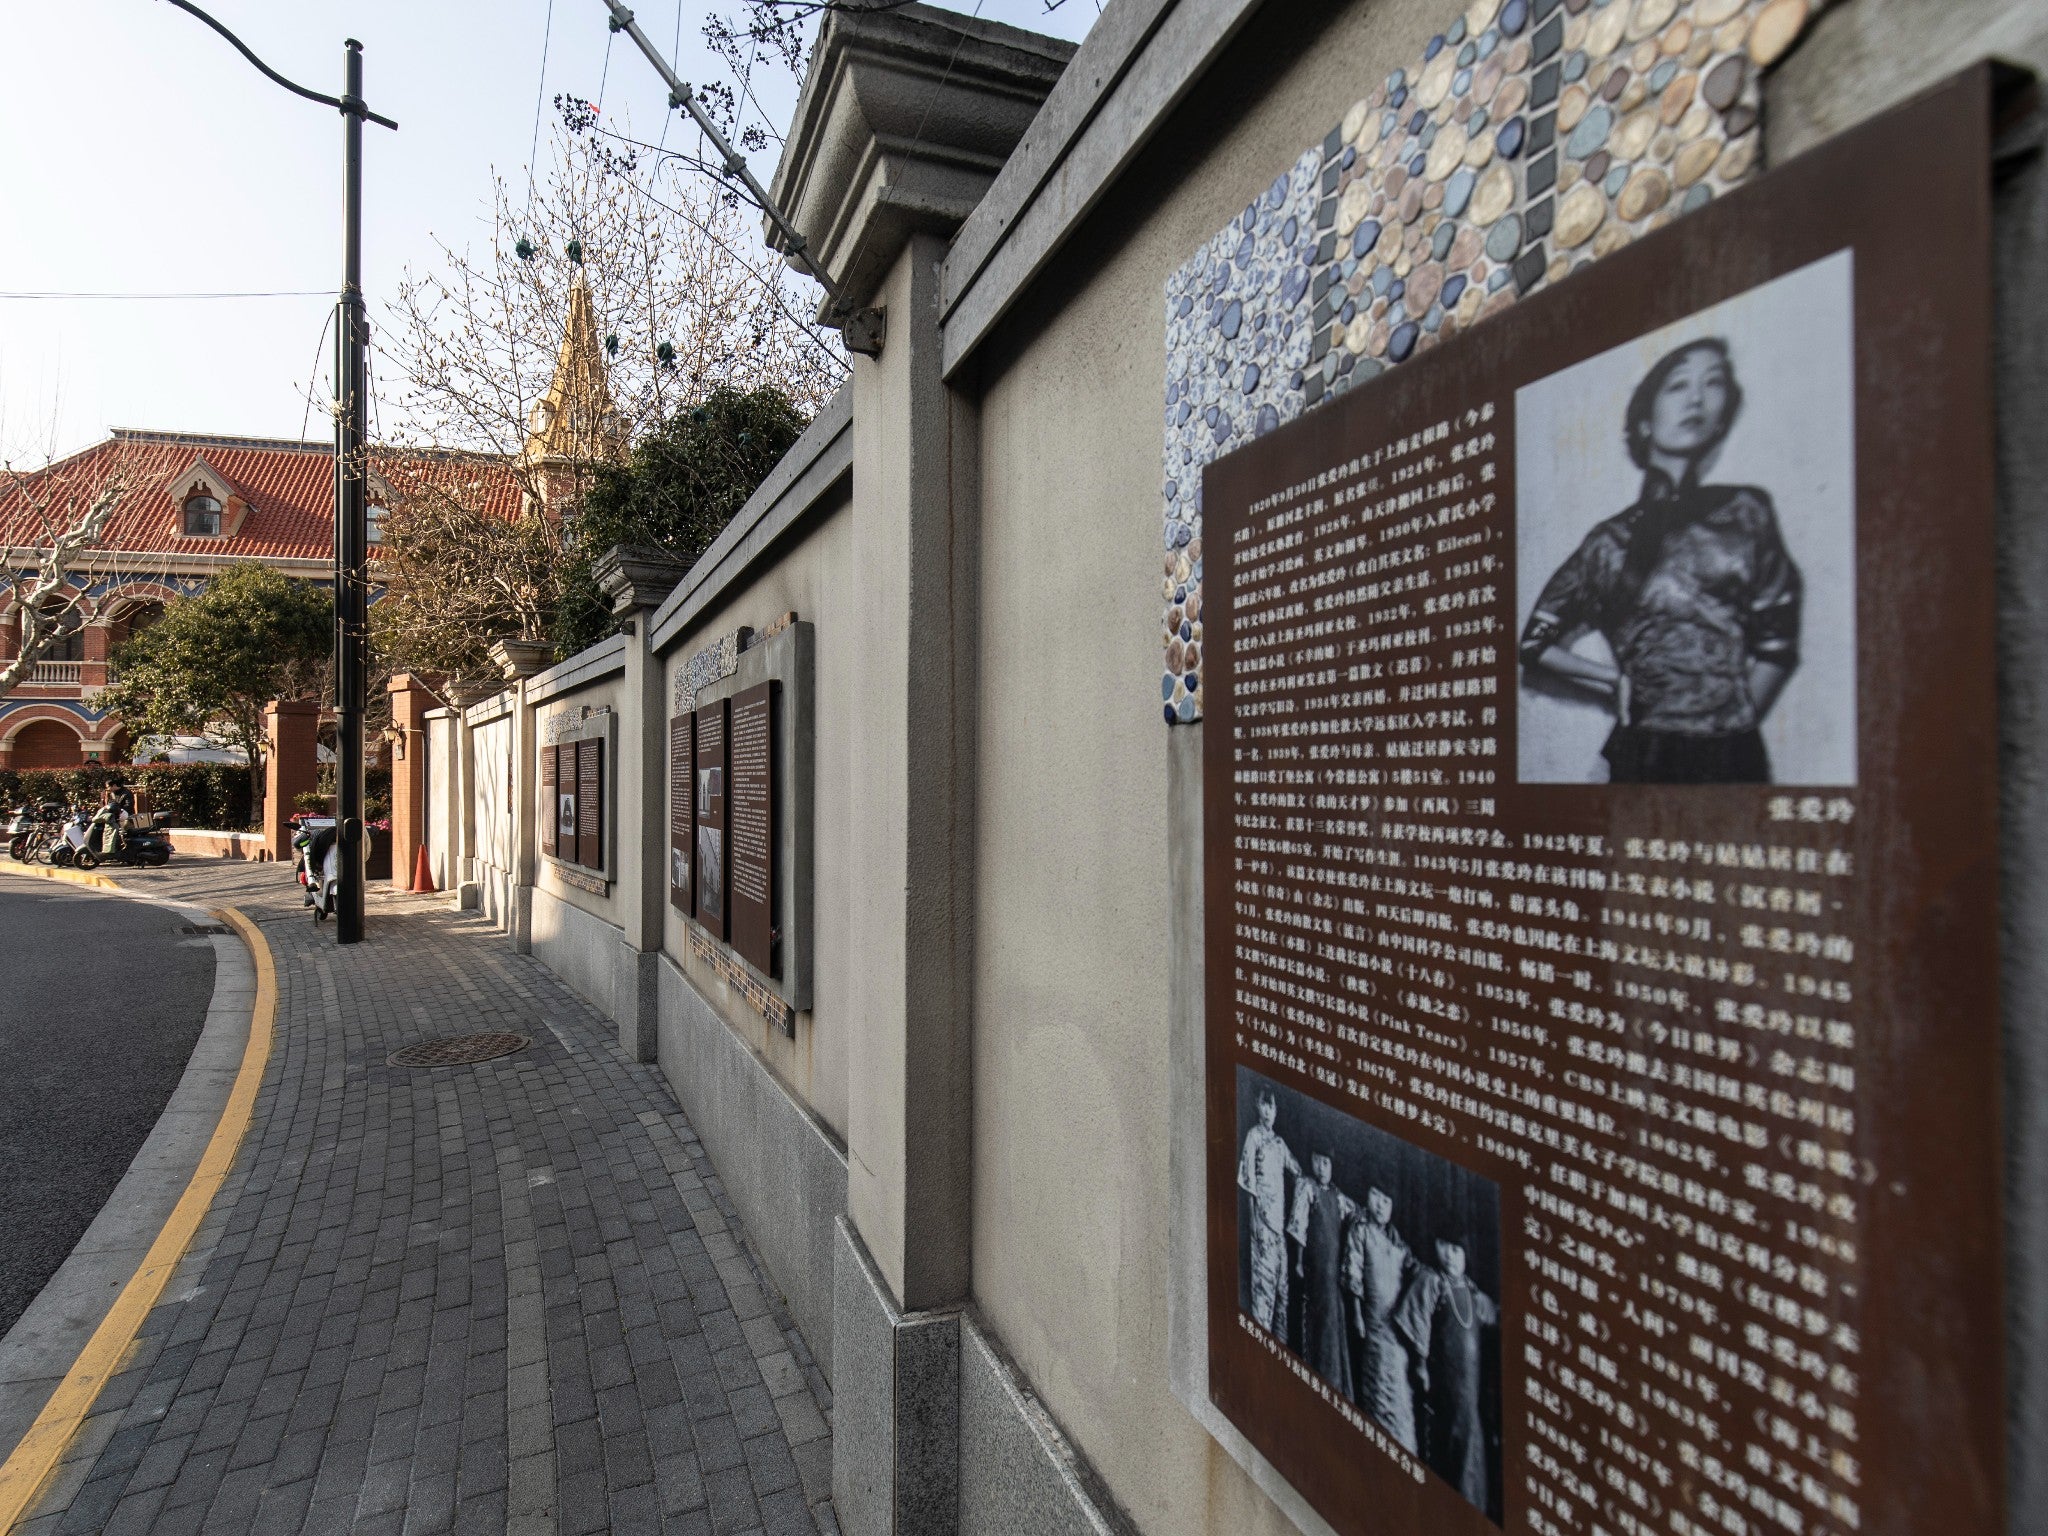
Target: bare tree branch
(38, 574)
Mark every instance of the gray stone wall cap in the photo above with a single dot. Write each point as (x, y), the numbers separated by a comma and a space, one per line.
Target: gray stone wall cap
(636, 577)
(1138, 64)
(594, 664)
(905, 117)
(521, 658)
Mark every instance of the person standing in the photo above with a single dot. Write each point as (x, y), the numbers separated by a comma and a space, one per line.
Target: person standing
(1320, 1211)
(1262, 1171)
(1443, 1318)
(1377, 1268)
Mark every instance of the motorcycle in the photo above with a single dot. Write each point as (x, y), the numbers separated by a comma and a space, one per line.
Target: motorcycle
(32, 830)
(19, 826)
(141, 842)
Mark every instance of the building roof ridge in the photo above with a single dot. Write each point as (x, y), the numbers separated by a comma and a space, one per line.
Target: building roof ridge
(218, 440)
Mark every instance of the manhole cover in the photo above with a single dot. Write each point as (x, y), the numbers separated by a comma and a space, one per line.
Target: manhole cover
(458, 1050)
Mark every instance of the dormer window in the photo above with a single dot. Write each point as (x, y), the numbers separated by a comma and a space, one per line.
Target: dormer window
(375, 516)
(202, 517)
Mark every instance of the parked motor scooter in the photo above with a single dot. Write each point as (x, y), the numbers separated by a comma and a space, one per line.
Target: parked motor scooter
(141, 842)
(318, 846)
(72, 840)
(19, 825)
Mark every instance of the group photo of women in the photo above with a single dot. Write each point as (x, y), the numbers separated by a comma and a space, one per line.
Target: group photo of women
(1379, 1265)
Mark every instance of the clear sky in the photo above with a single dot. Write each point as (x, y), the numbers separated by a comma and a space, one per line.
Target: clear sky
(139, 154)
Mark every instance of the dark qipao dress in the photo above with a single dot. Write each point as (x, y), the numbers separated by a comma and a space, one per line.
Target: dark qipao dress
(1444, 1320)
(1320, 1211)
(1690, 587)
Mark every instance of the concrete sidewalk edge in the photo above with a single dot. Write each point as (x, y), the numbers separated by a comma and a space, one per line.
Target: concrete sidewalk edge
(44, 1346)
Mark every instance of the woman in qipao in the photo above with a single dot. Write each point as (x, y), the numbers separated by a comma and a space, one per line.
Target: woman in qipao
(1691, 587)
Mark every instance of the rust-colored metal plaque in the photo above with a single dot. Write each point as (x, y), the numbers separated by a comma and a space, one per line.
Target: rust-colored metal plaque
(712, 853)
(682, 811)
(753, 808)
(1601, 890)
(589, 758)
(550, 812)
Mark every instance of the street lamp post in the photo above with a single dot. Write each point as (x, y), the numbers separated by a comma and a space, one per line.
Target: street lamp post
(351, 531)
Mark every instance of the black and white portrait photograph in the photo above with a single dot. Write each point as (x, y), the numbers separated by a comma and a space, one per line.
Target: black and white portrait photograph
(711, 871)
(710, 786)
(1379, 1265)
(565, 814)
(679, 871)
(1685, 549)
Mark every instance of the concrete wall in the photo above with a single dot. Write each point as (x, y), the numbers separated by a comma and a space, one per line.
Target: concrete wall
(1071, 1145)
(583, 949)
(808, 573)
(606, 694)
(491, 738)
(783, 1167)
(1077, 1397)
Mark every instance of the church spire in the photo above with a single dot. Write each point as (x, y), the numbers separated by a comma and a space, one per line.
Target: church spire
(576, 421)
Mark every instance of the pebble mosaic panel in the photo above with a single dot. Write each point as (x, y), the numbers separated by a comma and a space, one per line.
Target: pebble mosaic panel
(720, 659)
(737, 974)
(1531, 139)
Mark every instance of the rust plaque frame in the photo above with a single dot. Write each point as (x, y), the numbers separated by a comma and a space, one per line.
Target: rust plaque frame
(752, 813)
(550, 813)
(588, 755)
(682, 812)
(1679, 1091)
(713, 853)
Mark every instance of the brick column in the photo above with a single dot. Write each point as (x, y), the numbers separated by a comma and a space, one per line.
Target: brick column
(98, 642)
(410, 701)
(291, 767)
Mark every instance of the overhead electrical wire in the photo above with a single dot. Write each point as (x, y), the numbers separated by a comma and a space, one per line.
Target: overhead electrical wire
(265, 293)
(540, 96)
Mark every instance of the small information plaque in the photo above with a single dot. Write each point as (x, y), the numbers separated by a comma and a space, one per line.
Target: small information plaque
(710, 807)
(682, 811)
(550, 815)
(753, 826)
(589, 759)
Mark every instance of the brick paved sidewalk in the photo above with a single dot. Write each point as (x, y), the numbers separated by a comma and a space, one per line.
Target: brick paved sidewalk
(506, 1297)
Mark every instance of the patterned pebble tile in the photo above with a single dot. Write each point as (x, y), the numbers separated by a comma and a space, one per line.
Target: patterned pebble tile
(1427, 209)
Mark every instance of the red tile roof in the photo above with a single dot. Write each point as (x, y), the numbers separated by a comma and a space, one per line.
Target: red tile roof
(288, 486)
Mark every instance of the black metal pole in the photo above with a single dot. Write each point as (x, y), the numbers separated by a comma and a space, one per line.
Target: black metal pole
(351, 535)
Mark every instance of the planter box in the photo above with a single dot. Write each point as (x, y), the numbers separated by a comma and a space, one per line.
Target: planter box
(198, 843)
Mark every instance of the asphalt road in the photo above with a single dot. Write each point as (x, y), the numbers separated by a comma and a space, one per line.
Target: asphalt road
(101, 1001)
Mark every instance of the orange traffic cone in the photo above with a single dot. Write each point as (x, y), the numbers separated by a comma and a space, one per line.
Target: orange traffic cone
(423, 874)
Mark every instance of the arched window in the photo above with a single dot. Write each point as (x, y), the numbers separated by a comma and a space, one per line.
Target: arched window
(202, 517)
(69, 644)
(141, 616)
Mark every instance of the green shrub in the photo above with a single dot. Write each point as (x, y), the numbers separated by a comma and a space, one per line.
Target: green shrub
(212, 797)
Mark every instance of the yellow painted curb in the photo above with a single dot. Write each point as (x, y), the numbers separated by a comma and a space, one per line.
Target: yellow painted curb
(28, 1468)
(68, 876)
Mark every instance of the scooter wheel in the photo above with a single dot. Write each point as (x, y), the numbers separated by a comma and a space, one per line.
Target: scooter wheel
(319, 914)
(87, 859)
(61, 857)
(160, 861)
